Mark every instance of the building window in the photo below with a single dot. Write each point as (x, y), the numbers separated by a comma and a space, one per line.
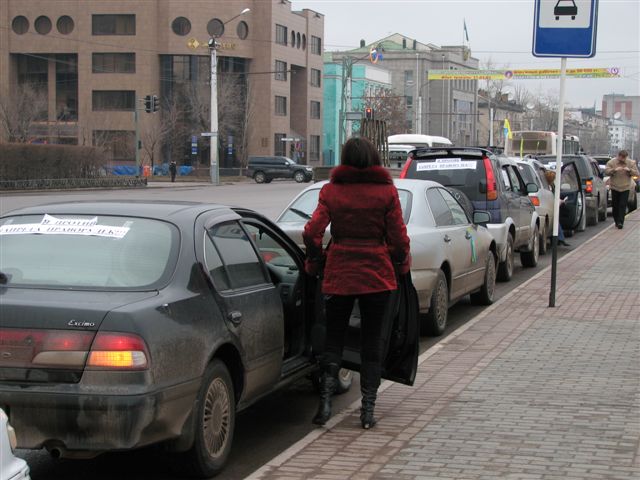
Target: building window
(281, 70)
(65, 25)
(315, 109)
(67, 87)
(281, 106)
(409, 100)
(298, 40)
(20, 25)
(304, 41)
(314, 147)
(316, 77)
(293, 38)
(181, 26)
(119, 144)
(114, 63)
(279, 146)
(281, 34)
(114, 100)
(215, 27)
(43, 25)
(316, 45)
(408, 77)
(242, 30)
(113, 24)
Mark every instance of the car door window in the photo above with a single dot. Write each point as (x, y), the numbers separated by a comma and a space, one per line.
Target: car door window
(271, 250)
(570, 178)
(241, 262)
(215, 266)
(441, 212)
(506, 181)
(516, 182)
(457, 212)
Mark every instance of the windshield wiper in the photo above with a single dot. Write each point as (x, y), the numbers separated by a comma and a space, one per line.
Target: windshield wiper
(301, 213)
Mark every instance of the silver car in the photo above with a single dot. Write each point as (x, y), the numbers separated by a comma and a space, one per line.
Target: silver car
(532, 171)
(11, 467)
(452, 256)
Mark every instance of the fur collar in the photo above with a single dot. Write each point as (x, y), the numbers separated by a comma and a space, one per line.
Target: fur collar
(348, 174)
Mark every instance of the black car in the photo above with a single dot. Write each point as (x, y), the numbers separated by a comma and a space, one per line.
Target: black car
(489, 183)
(129, 324)
(265, 169)
(592, 189)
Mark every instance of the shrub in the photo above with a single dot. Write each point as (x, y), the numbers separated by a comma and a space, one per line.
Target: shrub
(21, 161)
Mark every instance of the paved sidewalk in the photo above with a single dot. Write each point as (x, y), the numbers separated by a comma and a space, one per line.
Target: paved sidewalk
(520, 392)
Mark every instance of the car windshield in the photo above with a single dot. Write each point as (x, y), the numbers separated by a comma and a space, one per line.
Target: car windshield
(304, 206)
(86, 252)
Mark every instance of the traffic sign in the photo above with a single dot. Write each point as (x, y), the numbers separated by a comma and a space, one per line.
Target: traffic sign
(565, 28)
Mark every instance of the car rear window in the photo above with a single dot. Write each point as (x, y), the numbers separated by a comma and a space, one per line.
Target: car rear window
(87, 252)
(462, 172)
(302, 209)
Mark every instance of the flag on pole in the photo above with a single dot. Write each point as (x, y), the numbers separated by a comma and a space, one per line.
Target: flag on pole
(466, 32)
(507, 129)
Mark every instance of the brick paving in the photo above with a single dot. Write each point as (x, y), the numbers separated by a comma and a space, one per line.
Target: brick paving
(521, 392)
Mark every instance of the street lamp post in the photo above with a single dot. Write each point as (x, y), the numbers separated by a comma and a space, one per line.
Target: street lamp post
(214, 163)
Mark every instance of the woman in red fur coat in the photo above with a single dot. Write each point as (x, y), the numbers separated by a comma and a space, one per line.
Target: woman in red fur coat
(368, 237)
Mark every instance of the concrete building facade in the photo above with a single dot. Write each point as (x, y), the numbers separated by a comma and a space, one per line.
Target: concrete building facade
(628, 106)
(94, 61)
(446, 108)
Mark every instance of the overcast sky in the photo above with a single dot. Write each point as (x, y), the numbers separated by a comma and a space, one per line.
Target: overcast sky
(500, 30)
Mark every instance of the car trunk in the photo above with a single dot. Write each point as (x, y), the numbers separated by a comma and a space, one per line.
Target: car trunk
(46, 334)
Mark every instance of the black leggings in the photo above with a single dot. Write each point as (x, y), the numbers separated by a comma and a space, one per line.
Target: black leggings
(372, 311)
(619, 205)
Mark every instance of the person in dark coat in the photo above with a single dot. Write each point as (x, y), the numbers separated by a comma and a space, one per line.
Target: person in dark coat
(173, 168)
(368, 237)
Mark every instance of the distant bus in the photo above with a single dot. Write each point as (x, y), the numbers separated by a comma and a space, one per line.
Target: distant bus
(540, 143)
(418, 140)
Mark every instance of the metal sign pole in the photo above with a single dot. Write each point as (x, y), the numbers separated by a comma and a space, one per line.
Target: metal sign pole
(558, 183)
(213, 149)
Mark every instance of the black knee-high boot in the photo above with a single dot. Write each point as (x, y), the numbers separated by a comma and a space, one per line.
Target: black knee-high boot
(369, 383)
(328, 384)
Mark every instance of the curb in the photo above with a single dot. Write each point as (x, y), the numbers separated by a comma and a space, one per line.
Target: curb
(294, 449)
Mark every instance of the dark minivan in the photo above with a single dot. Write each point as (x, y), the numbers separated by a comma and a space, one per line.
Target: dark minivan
(265, 169)
(492, 183)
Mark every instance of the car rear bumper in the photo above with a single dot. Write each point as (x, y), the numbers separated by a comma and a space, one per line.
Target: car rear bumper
(81, 418)
(499, 231)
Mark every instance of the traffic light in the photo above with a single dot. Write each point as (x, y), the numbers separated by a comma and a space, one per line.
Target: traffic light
(368, 113)
(151, 103)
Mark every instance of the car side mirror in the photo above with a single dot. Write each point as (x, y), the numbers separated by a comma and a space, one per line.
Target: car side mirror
(480, 217)
(532, 188)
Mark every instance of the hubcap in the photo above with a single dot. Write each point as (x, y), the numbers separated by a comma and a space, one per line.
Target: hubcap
(510, 258)
(491, 277)
(442, 305)
(536, 247)
(216, 418)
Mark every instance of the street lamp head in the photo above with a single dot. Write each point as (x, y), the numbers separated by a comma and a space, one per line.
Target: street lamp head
(212, 43)
(246, 10)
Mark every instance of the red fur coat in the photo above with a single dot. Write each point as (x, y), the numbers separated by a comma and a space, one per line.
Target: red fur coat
(367, 229)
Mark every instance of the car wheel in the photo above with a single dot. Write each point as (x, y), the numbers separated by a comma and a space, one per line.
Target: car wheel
(485, 295)
(633, 204)
(268, 180)
(582, 225)
(260, 177)
(544, 245)
(435, 321)
(299, 176)
(505, 269)
(530, 259)
(215, 416)
(602, 214)
(592, 215)
(345, 380)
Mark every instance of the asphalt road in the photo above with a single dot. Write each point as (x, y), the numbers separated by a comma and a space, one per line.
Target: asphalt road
(273, 424)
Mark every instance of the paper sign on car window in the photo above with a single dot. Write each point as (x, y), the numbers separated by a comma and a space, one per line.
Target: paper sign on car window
(447, 164)
(65, 226)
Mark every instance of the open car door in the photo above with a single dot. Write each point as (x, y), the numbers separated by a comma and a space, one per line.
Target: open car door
(401, 332)
(571, 210)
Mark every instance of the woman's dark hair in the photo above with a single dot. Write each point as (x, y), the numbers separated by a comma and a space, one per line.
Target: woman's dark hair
(359, 152)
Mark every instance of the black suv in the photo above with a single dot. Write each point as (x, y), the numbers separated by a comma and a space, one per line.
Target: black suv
(265, 169)
(491, 183)
(591, 192)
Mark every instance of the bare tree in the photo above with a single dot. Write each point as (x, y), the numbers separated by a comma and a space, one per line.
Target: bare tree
(495, 88)
(20, 110)
(390, 108)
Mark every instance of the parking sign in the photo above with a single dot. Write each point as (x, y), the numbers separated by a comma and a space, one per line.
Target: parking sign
(565, 28)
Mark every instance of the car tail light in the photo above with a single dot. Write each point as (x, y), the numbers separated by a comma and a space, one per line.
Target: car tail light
(588, 188)
(535, 200)
(492, 188)
(407, 164)
(25, 348)
(119, 351)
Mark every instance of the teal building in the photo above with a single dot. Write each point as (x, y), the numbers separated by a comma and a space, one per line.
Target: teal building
(368, 81)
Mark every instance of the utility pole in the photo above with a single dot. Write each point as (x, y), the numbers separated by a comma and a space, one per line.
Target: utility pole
(418, 128)
(136, 122)
(442, 116)
(214, 167)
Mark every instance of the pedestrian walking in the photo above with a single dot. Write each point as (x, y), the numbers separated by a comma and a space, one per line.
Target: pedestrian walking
(620, 170)
(173, 169)
(551, 179)
(368, 237)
